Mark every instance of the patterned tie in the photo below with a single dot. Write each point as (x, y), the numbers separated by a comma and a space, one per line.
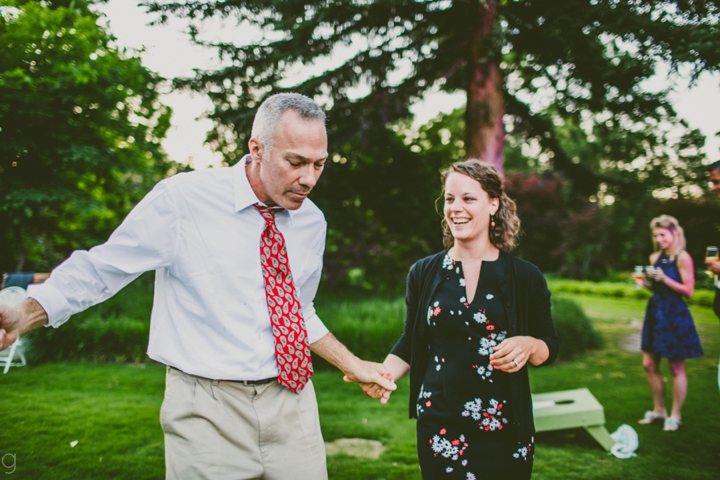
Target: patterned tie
(291, 343)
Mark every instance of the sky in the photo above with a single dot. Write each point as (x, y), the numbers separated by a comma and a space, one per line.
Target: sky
(167, 50)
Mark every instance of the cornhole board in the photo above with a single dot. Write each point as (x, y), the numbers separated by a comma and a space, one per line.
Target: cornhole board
(571, 409)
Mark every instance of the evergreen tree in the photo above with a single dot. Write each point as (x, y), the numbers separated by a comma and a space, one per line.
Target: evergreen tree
(588, 57)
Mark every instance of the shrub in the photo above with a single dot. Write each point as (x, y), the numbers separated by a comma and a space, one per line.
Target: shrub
(702, 297)
(113, 339)
(575, 330)
(116, 330)
(368, 327)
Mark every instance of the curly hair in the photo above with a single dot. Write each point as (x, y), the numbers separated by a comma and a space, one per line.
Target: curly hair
(507, 224)
(673, 226)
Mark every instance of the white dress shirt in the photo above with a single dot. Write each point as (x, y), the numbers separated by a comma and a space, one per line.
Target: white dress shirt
(201, 234)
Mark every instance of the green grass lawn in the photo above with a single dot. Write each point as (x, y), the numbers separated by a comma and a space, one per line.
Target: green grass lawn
(112, 411)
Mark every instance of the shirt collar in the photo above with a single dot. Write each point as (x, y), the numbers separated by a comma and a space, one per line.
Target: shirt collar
(244, 195)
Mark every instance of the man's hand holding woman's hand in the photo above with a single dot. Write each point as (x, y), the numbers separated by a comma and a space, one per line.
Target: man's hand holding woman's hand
(376, 382)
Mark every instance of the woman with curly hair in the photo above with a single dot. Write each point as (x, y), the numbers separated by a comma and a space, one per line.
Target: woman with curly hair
(476, 316)
(668, 331)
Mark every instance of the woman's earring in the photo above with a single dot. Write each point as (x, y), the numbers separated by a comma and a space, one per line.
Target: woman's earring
(492, 221)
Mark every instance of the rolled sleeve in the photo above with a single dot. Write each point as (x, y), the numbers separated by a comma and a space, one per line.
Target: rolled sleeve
(315, 327)
(53, 302)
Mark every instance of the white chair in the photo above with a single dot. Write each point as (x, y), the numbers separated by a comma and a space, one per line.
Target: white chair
(12, 296)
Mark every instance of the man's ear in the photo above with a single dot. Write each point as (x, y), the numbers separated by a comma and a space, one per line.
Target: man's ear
(256, 149)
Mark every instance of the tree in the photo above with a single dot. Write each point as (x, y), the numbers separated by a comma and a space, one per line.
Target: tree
(80, 131)
(587, 57)
(644, 173)
(565, 78)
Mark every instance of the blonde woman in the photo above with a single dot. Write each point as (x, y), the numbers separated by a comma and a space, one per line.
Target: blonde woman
(669, 331)
(476, 318)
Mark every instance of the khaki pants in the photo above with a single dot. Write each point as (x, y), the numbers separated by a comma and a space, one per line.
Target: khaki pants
(217, 429)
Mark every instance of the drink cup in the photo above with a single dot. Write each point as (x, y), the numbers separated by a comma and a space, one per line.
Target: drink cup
(638, 276)
(711, 255)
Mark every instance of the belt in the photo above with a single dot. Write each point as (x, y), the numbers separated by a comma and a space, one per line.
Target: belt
(257, 382)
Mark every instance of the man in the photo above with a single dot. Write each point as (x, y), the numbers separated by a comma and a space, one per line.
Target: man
(225, 303)
(714, 177)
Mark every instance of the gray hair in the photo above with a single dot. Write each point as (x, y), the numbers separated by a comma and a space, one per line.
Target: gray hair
(271, 110)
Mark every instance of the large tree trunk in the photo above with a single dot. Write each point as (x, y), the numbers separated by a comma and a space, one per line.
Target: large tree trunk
(484, 128)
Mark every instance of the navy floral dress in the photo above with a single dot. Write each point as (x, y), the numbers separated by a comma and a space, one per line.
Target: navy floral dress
(669, 330)
(465, 421)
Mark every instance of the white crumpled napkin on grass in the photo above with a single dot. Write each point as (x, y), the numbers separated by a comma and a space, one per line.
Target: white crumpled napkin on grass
(626, 442)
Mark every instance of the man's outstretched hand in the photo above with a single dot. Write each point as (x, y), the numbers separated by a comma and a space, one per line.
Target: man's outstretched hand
(17, 321)
(9, 325)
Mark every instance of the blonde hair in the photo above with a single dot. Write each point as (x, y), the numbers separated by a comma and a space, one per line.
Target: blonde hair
(507, 224)
(671, 224)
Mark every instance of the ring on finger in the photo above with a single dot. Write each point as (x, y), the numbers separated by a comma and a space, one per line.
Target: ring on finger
(516, 363)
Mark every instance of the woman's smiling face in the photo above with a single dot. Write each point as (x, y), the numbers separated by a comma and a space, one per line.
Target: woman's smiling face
(467, 208)
(664, 238)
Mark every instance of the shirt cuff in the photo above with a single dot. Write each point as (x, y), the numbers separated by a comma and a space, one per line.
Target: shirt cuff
(316, 328)
(52, 301)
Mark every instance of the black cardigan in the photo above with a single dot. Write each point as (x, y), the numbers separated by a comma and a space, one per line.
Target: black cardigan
(527, 305)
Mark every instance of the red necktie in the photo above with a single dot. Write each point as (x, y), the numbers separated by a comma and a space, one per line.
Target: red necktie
(292, 350)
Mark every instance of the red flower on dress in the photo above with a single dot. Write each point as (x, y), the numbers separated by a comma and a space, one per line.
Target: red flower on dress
(490, 327)
(443, 431)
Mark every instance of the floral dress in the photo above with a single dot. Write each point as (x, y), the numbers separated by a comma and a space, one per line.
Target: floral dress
(669, 330)
(465, 419)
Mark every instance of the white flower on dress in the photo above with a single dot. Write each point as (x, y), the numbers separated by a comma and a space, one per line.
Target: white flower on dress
(462, 282)
(447, 263)
(433, 311)
(490, 419)
(470, 476)
(489, 296)
(524, 452)
(439, 362)
(447, 448)
(444, 447)
(485, 371)
(423, 400)
(486, 346)
(473, 409)
(480, 317)
(487, 343)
